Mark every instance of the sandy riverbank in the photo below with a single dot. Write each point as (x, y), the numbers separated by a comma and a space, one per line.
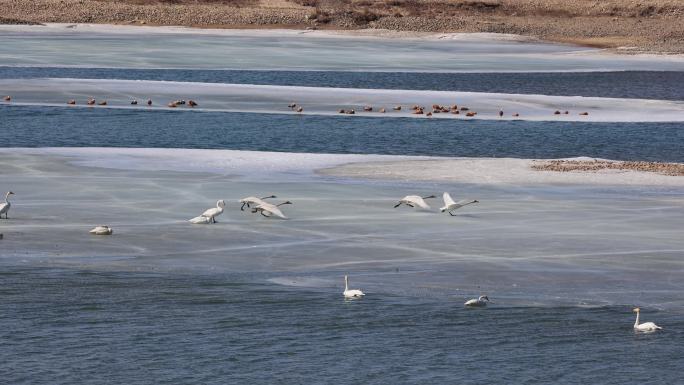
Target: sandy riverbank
(655, 26)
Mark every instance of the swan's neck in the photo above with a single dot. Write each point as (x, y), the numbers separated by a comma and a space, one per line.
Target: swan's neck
(636, 322)
(346, 284)
(7, 198)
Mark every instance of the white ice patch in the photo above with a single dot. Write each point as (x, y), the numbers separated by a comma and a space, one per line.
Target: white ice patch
(328, 101)
(83, 45)
(261, 165)
(274, 166)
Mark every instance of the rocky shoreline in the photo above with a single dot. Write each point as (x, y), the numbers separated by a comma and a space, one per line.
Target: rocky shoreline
(654, 27)
(562, 165)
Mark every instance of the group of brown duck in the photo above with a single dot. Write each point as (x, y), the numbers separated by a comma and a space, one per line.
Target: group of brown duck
(416, 109)
(134, 102)
(420, 110)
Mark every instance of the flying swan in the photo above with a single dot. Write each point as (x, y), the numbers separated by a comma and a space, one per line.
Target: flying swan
(269, 209)
(646, 326)
(253, 201)
(4, 207)
(480, 302)
(450, 205)
(415, 200)
(353, 293)
(209, 216)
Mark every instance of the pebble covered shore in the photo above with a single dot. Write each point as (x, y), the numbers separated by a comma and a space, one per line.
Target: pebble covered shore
(631, 27)
(672, 169)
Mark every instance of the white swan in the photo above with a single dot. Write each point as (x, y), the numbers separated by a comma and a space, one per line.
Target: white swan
(253, 201)
(480, 302)
(4, 207)
(102, 230)
(353, 293)
(646, 326)
(269, 209)
(415, 200)
(450, 205)
(214, 212)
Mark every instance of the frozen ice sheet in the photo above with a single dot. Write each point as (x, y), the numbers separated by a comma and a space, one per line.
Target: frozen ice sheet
(83, 45)
(494, 171)
(327, 101)
(536, 244)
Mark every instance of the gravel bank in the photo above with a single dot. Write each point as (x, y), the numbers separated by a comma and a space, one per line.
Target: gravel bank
(655, 26)
(672, 169)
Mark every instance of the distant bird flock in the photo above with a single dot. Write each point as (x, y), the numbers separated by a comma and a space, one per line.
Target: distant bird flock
(415, 109)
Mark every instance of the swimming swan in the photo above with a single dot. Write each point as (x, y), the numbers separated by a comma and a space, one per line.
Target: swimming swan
(102, 230)
(253, 201)
(450, 205)
(415, 200)
(353, 293)
(646, 326)
(4, 207)
(480, 302)
(268, 209)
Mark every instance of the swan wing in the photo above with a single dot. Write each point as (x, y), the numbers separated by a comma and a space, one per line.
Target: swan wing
(270, 209)
(251, 200)
(447, 199)
(4, 207)
(211, 212)
(276, 211)
(418, 201)
(200, 220)
(459, 204)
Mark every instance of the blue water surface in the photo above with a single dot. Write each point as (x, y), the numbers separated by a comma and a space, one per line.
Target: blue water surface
(33, 126)
(71, 326)
(664, 85)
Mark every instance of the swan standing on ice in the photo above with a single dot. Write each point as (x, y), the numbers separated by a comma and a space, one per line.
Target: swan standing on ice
(253, 201)
(480, 302)
(102, 230)
(353, 293)
(269, 209)
(4, 207)
(415, 200)
(646, 326)
(209, 216)
(450, 205)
